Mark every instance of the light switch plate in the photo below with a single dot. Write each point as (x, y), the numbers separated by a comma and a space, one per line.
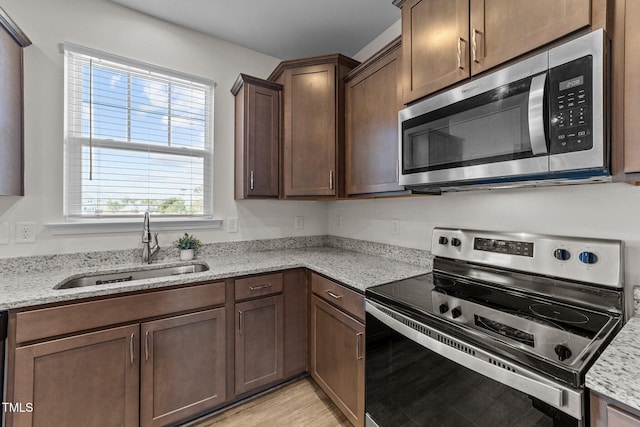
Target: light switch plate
(4, 233)
(395, 226)
(232, 224)
(299, 223)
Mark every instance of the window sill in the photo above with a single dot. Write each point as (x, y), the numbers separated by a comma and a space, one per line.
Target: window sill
(126, 226)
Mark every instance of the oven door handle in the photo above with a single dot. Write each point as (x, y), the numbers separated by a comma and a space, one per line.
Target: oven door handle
(469, 356)
(537, 133)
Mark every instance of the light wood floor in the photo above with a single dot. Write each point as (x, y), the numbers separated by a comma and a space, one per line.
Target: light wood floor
(301, 403)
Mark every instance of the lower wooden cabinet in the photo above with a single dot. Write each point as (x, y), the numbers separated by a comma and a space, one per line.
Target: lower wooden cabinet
(606, 412)
(258, 344)
(183, 370)
(85, 380)
(337, 358)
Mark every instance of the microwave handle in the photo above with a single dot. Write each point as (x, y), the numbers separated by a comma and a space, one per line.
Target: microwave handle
(536, 115)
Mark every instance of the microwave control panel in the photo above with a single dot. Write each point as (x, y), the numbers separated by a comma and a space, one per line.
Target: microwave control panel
(570, 101)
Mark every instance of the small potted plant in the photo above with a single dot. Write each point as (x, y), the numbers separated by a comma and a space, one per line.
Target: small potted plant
(187, 244)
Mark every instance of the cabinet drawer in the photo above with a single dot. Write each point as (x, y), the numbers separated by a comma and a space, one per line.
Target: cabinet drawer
(350, 301)
(66, 319)
(251, 287)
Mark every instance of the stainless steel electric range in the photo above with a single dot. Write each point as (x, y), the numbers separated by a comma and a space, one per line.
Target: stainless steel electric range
(500, 334)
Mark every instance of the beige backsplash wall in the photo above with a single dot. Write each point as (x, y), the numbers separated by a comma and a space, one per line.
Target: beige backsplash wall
(107, 26)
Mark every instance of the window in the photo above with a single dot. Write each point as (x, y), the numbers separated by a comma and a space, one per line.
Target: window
(137, 138)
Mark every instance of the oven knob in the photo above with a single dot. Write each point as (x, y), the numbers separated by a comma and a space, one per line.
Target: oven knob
(455, 242)
(562, 254)
(443, 308)
(588, 258)
(443, 240)
(456, 312)
(563, 352)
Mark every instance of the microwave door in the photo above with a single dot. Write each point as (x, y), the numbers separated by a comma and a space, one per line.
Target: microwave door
(492, 135)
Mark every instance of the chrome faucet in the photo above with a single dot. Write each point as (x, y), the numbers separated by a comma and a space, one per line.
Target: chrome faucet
(148, 252)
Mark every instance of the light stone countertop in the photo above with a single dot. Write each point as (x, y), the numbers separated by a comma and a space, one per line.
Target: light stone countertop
(616, 373)
(354, 269)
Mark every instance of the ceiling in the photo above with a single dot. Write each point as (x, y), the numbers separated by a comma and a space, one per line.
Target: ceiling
(285, 29)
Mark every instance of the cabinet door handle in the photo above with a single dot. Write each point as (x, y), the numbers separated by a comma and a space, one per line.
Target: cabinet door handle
(146, 345)
(460, 64)
(240, 322)
(474, 45)
(131, 347)
(359, 345)
(259, 287)
(330, 180)
(251, 180)
(334, 296)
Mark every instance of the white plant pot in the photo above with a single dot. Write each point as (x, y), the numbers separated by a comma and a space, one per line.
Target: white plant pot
(186, 254)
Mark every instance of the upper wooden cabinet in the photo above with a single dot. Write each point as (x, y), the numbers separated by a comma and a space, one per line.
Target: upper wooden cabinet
(257, 138)
(447, 41)
(372, 103)
(625, 103)
(12, 40)
(313, 125)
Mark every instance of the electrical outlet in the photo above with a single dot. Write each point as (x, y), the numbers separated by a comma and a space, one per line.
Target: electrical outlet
(299, 223)
(395, 226)
(4, 233)
(338, 222)
(26, 232)
(232, 225)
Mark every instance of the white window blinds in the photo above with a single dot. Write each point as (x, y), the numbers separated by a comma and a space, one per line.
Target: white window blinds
(137, 138)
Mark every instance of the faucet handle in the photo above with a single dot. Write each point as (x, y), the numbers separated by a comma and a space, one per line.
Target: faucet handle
(155, 239)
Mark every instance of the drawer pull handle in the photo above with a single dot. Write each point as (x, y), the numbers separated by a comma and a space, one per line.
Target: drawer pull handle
(240, 322)
(359, 346)
(146, 345)
(259, 287)
(251, 180)
(331, 180)
(460, 64)
(474, 46)
(334, 296)
(131, 347)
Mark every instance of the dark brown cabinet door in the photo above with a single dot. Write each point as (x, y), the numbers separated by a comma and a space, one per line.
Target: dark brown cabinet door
(337, 358)
(183, 366)
(12, 40)
(504, 29)
(309, 154)
(257, 138)
(372, 104)
(295, 322)
(259, 345)
(84, 380)
(435, 45)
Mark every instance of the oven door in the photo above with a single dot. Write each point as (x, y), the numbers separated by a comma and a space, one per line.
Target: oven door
(418, 376)
(492, 127)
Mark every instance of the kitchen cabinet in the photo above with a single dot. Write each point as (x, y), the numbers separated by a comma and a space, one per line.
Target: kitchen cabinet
(257, 138)
(445, 41)
(337, 346)
(313, 125)
(372, 105)
(259, 346)
(183, 366)
(295, 304)
(606, 412)
(76, 375)
(12, 42)
(85, 380)
(625, 91)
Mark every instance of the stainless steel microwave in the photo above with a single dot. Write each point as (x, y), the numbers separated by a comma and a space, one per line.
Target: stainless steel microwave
(541, 121)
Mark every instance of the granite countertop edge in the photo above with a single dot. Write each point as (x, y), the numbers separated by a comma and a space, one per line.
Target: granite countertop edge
(356, 270)
(615, 374)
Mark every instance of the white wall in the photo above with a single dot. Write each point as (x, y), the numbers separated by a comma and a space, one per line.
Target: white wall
(109, 27)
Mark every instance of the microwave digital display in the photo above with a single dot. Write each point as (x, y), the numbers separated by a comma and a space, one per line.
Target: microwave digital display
(571, 83)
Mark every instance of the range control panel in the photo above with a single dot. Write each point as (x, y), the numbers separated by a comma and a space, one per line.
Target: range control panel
(596, 261)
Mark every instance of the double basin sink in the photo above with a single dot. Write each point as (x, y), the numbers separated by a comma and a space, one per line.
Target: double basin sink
(129, 275)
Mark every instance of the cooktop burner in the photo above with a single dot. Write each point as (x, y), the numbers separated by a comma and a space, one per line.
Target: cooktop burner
(535, 314)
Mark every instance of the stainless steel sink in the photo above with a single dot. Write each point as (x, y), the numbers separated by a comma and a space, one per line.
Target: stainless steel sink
(129, 275)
